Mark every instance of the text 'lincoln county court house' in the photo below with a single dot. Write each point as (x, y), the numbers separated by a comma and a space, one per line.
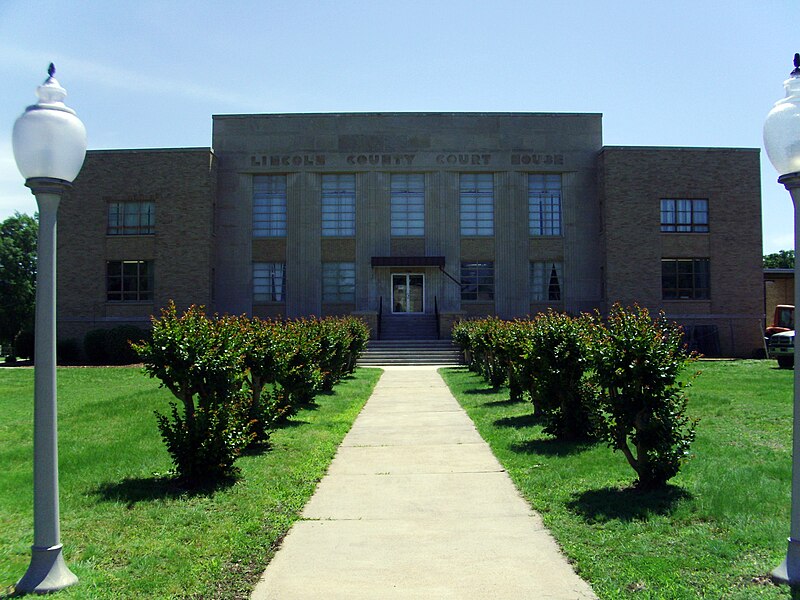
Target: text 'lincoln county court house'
(418, 219)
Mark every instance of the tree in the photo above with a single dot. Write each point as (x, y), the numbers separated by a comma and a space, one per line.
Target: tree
(783, 259)
(18, 236)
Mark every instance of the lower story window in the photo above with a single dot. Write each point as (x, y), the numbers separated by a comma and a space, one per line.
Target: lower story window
(477, 281)
(546, 281)
(129, 281)
(685, 279)
(269, 282)
(338, 282)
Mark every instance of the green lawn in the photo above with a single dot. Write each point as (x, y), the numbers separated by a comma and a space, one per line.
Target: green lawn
(127, 531)
(718, 530)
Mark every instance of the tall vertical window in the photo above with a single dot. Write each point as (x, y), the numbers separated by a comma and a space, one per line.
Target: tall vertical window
(546, 281)
(476, 192)
(685, 279)
(269, 282)
(408, 204)
(339, 205)
(131, 218)
(544, 204)
(129, 280)
(684, 216)
(338, 282)
(269, 206)
(477, 281)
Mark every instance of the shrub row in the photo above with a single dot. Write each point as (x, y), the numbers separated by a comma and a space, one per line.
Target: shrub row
(614, 379)
(237, 378)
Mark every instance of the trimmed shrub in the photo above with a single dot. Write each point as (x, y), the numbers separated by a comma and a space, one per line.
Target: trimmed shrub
(554, 368)
(118, 342)
(637, 360)
(24, 344)
(200, 362)
(68, 352)
(95, 346)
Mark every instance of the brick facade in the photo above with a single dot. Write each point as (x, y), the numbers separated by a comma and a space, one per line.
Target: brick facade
(610, 246)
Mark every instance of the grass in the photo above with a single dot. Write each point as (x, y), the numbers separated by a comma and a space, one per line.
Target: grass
(716, 532)
(128, 531)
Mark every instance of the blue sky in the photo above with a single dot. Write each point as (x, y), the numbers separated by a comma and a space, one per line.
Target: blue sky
(150, 74)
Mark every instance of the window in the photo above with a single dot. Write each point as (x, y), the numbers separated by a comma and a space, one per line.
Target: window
(269, 206)
(477, 281)
(131, 218)
(689, 216)
(129, 281)
(338, 282)
(408, 204)
(339, 205)
(546, 281)
(544, 204)
(685, 278)
(269, 282)
(476, 191)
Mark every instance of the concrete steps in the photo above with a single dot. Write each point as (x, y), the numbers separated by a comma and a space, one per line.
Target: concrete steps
(410, 352)
(408, 327)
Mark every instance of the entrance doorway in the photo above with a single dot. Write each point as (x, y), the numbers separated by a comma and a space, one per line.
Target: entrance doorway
(408, 293)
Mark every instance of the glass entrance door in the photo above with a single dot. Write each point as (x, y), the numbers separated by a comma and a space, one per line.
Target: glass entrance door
(408, 292)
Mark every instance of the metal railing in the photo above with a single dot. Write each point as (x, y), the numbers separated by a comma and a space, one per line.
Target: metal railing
(438, 321)
(380, 318)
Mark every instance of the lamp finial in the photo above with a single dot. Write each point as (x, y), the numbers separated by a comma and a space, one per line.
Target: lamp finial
(51, 70)
(796, 72)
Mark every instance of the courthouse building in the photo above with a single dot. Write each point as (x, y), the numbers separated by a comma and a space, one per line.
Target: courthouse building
(416, 220)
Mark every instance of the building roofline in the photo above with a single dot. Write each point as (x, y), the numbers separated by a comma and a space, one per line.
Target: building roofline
(681, 148)
(136, 150)
(405, 114)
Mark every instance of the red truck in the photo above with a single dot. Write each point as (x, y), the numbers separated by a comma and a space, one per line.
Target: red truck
(783, 320)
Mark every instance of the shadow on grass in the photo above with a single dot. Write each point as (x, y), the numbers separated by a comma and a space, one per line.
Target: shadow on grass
(552, 447)
(628, 504)
(481, 391)
(519, 421)
(157, 487)
(507, 402)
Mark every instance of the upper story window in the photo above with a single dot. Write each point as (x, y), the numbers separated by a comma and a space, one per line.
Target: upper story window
(476, 192)
(546, 281)
(685, 279)
(684, 216)
(477, 281)
(338, 282)
(129, 281)
(131, 218)
(269, 282)
(339, 205)
(269, 206)
(408, 204)
(544, 204)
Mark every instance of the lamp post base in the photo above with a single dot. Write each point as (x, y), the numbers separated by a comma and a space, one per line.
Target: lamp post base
(47, 572)
(788, 572)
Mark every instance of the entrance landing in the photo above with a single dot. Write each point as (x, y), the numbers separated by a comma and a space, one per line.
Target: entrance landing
(415, 505)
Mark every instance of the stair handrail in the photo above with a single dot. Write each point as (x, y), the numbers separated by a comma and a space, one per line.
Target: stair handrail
(380, 316)
(436, 312)
(456, 281)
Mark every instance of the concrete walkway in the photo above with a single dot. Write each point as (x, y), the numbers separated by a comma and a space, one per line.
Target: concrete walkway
(415, 505)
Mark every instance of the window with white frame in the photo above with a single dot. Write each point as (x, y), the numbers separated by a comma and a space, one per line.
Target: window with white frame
(339, 205)
(269, 282)
(408, 204)
(476, 192)
(129, 280)
(338, 282)
(269, 206)
(684, 215)
(131, 218)
(477, 281)
(546, 281)
(685, 279)
(544, 204)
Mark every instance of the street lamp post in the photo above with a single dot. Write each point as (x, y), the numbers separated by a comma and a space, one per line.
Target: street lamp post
(49, 144)
(782, 143)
